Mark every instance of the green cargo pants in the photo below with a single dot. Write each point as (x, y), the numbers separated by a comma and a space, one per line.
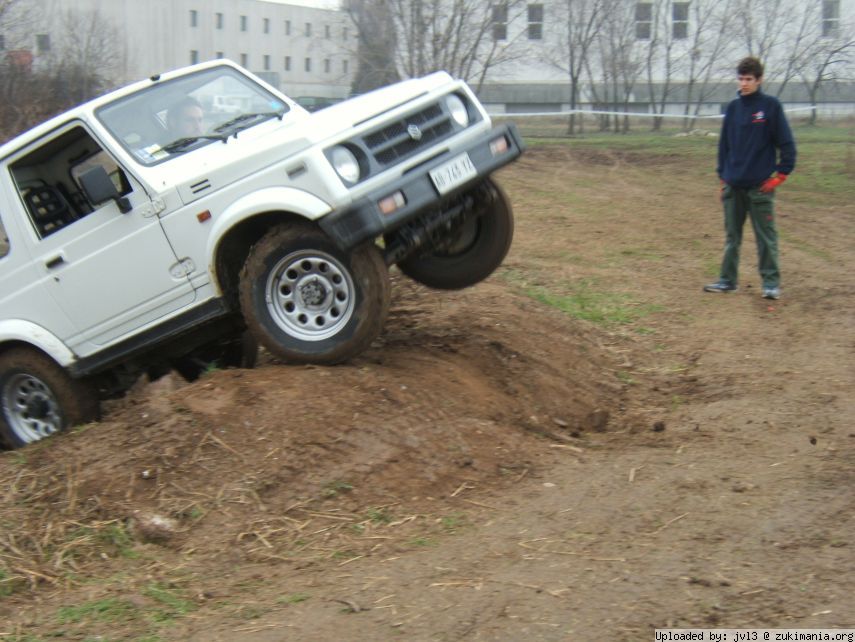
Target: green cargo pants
(761, 207)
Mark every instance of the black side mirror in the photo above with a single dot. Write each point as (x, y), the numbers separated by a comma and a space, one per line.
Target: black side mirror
(98, 188)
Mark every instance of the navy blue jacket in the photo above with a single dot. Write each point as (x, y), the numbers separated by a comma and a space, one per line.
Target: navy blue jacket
(753, 131)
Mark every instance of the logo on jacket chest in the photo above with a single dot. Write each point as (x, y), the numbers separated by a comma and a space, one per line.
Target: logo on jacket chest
(758, 117)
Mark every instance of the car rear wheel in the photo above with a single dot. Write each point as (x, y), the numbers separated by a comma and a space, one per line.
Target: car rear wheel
(38, 398)
(306, 301)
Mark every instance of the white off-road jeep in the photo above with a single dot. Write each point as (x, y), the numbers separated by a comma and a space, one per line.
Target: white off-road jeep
(133, 243)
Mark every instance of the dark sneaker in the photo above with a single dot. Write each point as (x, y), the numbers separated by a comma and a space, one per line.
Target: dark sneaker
(772, 293)
(720, 286)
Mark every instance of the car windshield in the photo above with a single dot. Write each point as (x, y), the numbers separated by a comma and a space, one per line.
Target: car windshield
(176, 116)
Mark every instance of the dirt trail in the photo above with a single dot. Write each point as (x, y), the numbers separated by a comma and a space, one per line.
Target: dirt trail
(492, 469)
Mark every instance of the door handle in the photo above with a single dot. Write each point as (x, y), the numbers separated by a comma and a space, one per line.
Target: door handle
(53, 262)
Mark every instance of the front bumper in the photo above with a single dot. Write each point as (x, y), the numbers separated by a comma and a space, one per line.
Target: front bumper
(364, 220)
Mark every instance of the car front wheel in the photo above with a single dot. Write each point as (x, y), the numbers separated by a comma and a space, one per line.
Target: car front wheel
(307, 301)
(471, 252)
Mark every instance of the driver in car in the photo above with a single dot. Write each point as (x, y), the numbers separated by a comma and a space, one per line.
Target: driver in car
(184, 119)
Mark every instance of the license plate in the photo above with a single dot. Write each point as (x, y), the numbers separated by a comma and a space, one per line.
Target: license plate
(453, 173)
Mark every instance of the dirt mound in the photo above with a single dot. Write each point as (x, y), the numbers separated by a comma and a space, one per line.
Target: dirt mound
(461, 388)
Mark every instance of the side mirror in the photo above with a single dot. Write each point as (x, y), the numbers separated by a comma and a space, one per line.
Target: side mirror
(98, 188)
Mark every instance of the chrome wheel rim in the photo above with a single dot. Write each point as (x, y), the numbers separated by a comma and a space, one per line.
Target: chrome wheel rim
(310, 295)
(31, 409)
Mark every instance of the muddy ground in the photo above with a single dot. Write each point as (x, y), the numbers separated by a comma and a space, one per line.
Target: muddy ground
(585, 446)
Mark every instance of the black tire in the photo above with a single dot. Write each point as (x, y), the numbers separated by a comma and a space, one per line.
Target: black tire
(38, 398)
(238, 352)
(477, 248)
(306, 301)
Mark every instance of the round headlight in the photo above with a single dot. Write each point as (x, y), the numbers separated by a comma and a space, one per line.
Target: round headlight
(458, 109)
(345, 164)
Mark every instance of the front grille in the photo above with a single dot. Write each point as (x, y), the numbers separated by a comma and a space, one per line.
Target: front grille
(394, 142)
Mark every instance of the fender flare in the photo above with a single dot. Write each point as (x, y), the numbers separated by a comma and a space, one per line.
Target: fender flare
(269, 199)
(21, 331)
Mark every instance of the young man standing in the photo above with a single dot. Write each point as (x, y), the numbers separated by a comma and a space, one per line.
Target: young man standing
(756, 142)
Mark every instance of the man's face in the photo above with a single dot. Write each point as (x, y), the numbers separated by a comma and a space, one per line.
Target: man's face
(190, 121)
(748, 84)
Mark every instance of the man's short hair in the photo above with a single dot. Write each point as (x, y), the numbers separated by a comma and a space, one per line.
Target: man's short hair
(176, 110)
(750, 66)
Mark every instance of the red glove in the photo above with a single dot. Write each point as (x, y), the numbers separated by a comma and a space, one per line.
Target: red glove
(770, 184)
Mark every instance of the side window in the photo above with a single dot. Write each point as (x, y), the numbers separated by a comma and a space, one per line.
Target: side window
(48, 179)
(4, 241)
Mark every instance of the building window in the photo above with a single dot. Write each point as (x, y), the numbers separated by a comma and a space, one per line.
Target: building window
(680, 20)
(219, 55)
(326, 65)
(266, 63)
(219, 21)
(308, 30)
(308, 64)
(42, 42)
(535, 22)
(266, 24)
(194, 56)
(344, 33)
(287, 63)
(500, 22)
(194, 18)
(243, 23)
(643, 20)
(830, 18)
(2, 42)
(327, 34)
(287, 27)
(345, 66)
(244, 61)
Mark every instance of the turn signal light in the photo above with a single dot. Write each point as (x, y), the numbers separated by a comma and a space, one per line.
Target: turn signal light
(498, 146)
(392, 203)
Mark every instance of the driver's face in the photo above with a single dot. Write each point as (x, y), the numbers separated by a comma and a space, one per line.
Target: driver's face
(190, 121)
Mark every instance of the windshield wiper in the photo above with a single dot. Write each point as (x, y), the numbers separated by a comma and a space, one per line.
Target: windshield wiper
(182, 144)
(257, 117)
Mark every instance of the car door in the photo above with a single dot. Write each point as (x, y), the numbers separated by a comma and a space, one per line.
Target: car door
(112, 271)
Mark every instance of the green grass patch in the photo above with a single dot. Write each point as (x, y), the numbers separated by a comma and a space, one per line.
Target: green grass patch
(599, 307)
(804, 246)
(294, 598)
(110, 609)
(333, 488)
(171, 602)
(379, 516)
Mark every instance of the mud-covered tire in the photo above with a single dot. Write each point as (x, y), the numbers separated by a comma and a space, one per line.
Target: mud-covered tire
(38, 398)
(306, 301)
(478, 247)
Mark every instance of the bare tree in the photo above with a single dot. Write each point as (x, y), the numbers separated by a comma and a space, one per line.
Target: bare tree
(467, 39)
(827, 59)
(376, 42)
(87, 60)
(764, 25)
(620, 60)
(79, 65)
(709, 37)
(576, 29)
(660, 54)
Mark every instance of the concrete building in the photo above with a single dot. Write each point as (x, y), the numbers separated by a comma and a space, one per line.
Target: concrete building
(684, 50)
(302, 50)
(307, 48)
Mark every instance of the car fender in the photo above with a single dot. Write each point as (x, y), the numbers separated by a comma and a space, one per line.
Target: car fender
(21, 331)
(269, 199)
